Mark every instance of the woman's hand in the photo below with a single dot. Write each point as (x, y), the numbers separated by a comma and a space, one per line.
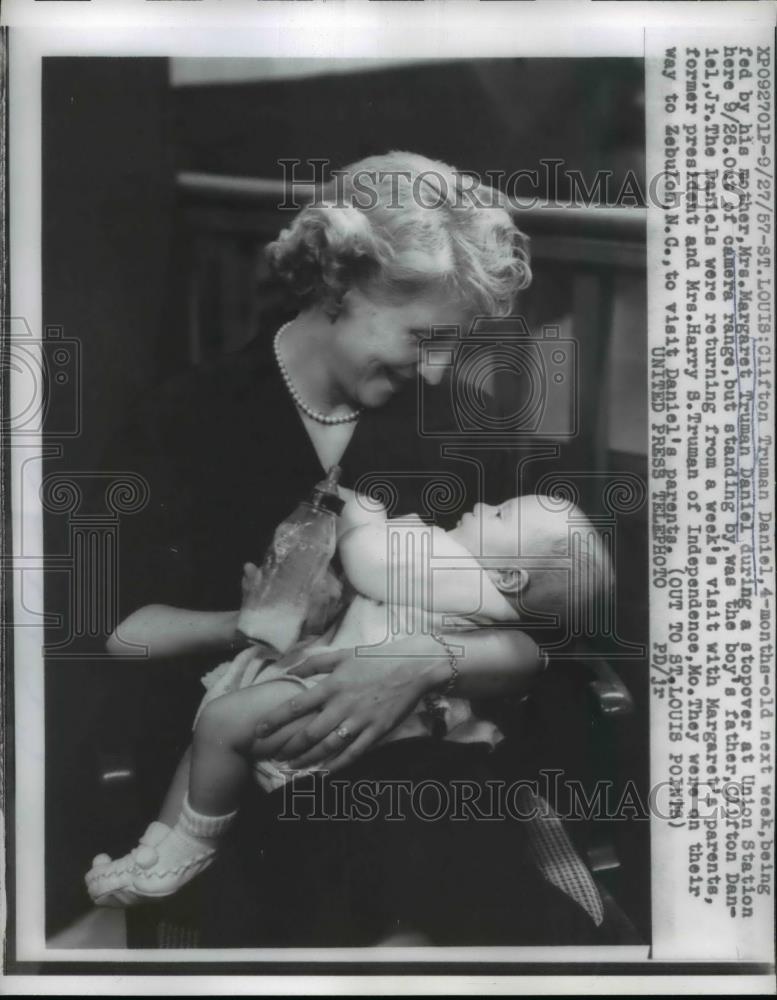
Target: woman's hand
(361, 700)
(364, 697)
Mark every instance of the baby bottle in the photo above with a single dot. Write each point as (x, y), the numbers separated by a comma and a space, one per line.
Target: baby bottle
(276, 608)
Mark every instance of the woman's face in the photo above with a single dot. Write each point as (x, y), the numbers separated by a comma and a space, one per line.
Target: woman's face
(375, 349)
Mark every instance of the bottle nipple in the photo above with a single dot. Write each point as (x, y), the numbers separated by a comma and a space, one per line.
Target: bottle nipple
(326, 494)
(329, 485)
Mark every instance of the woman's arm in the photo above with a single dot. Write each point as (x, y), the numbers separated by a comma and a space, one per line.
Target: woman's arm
(168, 631)
(366, 696)
(493, 663)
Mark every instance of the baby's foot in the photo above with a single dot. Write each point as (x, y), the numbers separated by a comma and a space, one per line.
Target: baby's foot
(109, 882)
(162, 870)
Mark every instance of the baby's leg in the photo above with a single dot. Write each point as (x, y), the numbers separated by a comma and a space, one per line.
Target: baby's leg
(176, 793)
(222, 740)
(224, 730)
(222, 743)
(109, 882)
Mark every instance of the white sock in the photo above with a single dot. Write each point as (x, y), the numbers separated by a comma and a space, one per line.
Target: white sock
(200, 827)
(191, 840)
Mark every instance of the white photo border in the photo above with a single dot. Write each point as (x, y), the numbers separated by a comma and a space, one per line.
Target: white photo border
(363, 30)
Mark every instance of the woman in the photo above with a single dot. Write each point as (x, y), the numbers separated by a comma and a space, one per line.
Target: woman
(399, 247)
(372, 283)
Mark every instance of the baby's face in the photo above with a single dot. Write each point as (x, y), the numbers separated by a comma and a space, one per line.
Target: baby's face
(507, 529)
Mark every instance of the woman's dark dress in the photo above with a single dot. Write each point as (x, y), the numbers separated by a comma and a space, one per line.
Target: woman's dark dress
(227, 458)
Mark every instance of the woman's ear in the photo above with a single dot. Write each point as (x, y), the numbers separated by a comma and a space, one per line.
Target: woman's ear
(509, 579)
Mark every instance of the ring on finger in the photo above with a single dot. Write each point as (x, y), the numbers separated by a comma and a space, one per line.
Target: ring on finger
(344, 733)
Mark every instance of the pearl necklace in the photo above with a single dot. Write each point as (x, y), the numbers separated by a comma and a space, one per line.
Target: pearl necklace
(321, 418)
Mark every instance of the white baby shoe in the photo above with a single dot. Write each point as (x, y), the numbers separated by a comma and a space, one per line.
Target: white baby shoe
(109, 882)
(162, 870)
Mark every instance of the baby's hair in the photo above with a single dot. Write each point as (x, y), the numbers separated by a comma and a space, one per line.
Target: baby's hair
(578, 583)
(398, 225)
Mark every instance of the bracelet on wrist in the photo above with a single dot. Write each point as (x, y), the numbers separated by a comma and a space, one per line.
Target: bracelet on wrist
(453, 663)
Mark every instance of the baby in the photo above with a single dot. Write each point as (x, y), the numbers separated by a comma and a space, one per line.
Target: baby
(526, 559)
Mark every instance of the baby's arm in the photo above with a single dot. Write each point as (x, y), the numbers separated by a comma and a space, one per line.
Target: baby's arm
(407, 562)
(359, 511)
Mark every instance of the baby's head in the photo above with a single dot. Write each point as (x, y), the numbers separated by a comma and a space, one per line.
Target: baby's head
(542, 553)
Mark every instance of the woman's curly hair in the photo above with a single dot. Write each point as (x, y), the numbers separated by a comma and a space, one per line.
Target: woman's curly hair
(398, 225)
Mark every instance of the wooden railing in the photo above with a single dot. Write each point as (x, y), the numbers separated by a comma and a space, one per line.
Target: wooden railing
(594, 234)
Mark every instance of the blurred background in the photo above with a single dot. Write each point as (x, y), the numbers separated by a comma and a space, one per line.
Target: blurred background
(151, 261)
